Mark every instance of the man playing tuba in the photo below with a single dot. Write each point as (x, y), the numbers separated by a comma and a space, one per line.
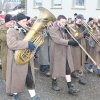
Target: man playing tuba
(16, 73)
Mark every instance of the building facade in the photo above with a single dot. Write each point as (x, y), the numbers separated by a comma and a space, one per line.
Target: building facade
(7, 5)
(89, 8)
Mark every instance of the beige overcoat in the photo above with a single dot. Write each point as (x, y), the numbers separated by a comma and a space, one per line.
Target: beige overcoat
(16, 73)
(3, 50)
(58, 51)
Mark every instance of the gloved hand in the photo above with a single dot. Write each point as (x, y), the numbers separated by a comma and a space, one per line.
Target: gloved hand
(37, 49)
(72, 42)
(31, 46)
(85, 33)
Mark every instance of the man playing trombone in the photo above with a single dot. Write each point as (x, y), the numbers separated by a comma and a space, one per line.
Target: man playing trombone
(79, 32)
(59, 62)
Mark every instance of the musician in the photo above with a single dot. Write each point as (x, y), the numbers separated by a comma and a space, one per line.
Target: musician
(16, 73)
(79, 63)
(3, 45)
(97, 48)
(59, 64)
(44, 59)
(90, 45)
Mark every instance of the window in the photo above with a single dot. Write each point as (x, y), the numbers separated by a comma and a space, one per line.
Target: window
(56, 3)
(14, 0)
(98, 4)
(37, 3)
(78, 3)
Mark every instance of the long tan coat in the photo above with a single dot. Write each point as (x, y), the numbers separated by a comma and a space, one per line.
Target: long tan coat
(44, 50)
(58, 52)
(92, 49)
(97, 49)
(78, 55)
(3, 51)
(16, 74)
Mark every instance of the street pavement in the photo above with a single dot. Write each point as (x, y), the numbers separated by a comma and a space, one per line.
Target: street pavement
(91, 91)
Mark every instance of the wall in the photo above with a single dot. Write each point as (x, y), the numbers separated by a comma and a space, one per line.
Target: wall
(90, 9)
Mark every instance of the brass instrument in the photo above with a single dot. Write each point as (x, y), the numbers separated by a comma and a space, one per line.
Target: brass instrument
(23, 56)
(79, 44)
(91, 30)
(76, 33)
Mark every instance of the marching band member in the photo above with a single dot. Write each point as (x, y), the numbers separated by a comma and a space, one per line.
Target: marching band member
(59, 64)
(79, 63)
(16, 73)
(44, 59)
(90, 45)
(97, 48)
(3, 43)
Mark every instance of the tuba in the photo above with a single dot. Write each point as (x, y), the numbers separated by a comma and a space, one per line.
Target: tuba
(34, 35)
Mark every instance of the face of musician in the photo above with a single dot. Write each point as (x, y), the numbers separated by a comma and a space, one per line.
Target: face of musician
(22, 19)
(23, 22)
(9, 24)
(79, 19)
(61, 21)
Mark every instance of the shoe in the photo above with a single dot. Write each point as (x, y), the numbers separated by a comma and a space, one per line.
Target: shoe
(10, 94)
(74, 74)
(55, 85)
(72, 90)
(98, 72)
(0, 66)
(82, 81)
(35, 98)
(15, 97)
(44, 68)
(47, 74)
(90, 68)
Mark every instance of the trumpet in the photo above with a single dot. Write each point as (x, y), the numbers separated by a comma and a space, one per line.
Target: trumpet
(68, 31)
(90, 31)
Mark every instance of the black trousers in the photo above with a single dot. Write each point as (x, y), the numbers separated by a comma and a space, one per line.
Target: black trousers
(68, 70)
(29, 79)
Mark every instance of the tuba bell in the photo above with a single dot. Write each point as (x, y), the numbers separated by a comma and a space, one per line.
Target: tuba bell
(34, 35)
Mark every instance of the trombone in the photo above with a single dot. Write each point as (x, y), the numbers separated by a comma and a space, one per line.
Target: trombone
(66, 28)
(91, 33)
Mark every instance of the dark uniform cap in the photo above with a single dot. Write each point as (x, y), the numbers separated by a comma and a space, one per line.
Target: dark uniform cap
(28, 18)
(80, 16)
(8, 18)
(90, 19)
(20, 16)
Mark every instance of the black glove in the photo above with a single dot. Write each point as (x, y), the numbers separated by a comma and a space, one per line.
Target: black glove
(37, 49)
(72, 43)
(31, 46)
(86, 33)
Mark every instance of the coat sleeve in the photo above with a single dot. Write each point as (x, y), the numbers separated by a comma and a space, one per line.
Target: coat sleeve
(3, 34)
(12, 41)
(56, 38)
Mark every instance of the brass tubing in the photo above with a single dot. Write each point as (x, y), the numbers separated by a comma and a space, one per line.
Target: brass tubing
(81, 47)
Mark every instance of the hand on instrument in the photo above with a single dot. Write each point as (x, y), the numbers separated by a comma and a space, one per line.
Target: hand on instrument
(31, 46)
(72, 42)
(85, 33)
(37, 49)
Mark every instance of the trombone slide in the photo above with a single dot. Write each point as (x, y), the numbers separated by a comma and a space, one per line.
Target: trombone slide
(82, 47)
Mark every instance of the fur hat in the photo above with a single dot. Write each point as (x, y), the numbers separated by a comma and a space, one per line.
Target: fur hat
(20, 16)
(90, 19)
(8, 18)
(80, 16)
